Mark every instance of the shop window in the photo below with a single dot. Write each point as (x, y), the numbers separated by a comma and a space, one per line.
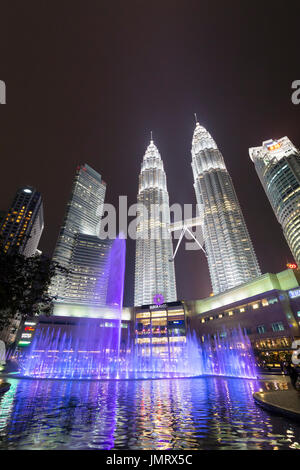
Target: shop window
(143, 315)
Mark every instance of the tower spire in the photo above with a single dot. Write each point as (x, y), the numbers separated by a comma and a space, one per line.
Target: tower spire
(196, 120)
(151, 137)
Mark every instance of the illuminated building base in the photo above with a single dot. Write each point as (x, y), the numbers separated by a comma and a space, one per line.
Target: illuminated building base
(81, 348)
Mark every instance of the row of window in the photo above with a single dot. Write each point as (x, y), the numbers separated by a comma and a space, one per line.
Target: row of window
(242, 309)
(278, 326)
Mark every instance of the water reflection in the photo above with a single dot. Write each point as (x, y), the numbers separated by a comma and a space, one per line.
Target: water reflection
(202, 413)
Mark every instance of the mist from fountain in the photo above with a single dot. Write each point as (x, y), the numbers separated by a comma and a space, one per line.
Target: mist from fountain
(89, 351)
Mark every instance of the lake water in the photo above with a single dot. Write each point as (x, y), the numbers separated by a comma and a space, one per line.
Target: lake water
(199, 413)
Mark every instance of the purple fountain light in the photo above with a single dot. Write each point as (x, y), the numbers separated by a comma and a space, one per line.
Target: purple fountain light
(101, 349)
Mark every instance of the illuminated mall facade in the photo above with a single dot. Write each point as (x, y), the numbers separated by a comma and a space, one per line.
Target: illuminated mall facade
(266, 308)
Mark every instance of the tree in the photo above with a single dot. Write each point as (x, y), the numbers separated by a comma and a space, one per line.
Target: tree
(24, 283)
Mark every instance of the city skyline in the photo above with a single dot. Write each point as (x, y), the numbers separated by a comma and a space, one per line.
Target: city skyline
(83, 238)
(93, 93)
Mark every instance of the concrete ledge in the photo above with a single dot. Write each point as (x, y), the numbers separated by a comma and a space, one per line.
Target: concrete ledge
(283, 402)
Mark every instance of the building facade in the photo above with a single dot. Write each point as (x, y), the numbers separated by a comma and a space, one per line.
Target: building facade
(160, 329)
(267, 309)
(154, 265)
(278, 166)
(230, 254)
(23, 224)
(79, 248)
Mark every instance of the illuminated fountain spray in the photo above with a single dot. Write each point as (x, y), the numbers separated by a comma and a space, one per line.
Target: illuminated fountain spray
(88, 351)
(115, 288)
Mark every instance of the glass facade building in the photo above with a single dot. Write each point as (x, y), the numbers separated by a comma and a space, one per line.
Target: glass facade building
(278, 166)
(230, 254)
(154, 265)
(23, 224)
(161, 329)
(79, 248)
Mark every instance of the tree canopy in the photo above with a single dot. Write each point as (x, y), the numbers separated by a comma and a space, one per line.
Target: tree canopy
(24, 283)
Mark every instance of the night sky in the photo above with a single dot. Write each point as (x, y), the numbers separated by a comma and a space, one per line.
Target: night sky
(87, 81)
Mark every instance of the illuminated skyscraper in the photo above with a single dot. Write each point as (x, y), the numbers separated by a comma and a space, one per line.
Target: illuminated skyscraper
(230, 254)
(23, 225)
(79, 248)
(154, 267)
(278, 166)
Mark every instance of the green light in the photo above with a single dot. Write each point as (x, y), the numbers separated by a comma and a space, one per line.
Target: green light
(23, 343)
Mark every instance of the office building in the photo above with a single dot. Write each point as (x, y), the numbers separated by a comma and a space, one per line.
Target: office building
(277, 163)
(154, 264)
(230, 254)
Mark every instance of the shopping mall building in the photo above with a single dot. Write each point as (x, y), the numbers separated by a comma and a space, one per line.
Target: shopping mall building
(267, 309)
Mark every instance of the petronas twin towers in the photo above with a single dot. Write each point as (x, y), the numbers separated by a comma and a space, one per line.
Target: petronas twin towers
(230, 254)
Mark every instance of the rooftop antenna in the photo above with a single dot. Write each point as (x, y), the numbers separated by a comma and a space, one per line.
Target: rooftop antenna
(151, 136)
(196, 118)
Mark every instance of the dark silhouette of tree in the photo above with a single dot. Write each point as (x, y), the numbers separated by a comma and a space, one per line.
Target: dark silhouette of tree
(24, 283)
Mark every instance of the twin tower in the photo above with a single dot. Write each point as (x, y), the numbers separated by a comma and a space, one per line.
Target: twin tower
(230, 254)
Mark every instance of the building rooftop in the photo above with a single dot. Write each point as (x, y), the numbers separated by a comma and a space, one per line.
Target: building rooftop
(284, 280)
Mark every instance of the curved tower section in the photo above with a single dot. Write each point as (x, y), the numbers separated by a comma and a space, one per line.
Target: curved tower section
(154, 267)
(277, 163)
(231, 257)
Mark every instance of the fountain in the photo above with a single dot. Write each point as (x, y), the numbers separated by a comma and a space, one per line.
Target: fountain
(95, 350)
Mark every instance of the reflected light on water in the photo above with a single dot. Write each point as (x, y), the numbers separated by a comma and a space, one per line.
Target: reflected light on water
(199, 413)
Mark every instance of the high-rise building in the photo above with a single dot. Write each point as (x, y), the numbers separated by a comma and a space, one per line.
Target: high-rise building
(89, 270)
(277, 163)
(23, 224)
(230, 254)
(154, 265)
(79, 248)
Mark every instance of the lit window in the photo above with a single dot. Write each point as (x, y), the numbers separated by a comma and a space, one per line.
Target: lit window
(255, 306)
(277, 326)
(242, 309)
(261, 329)
(230, 313)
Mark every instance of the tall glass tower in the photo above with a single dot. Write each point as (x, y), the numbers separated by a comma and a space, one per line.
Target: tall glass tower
(23, 224)
(277, 163)
(79, 247)
(154, 265)
(231, 257)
